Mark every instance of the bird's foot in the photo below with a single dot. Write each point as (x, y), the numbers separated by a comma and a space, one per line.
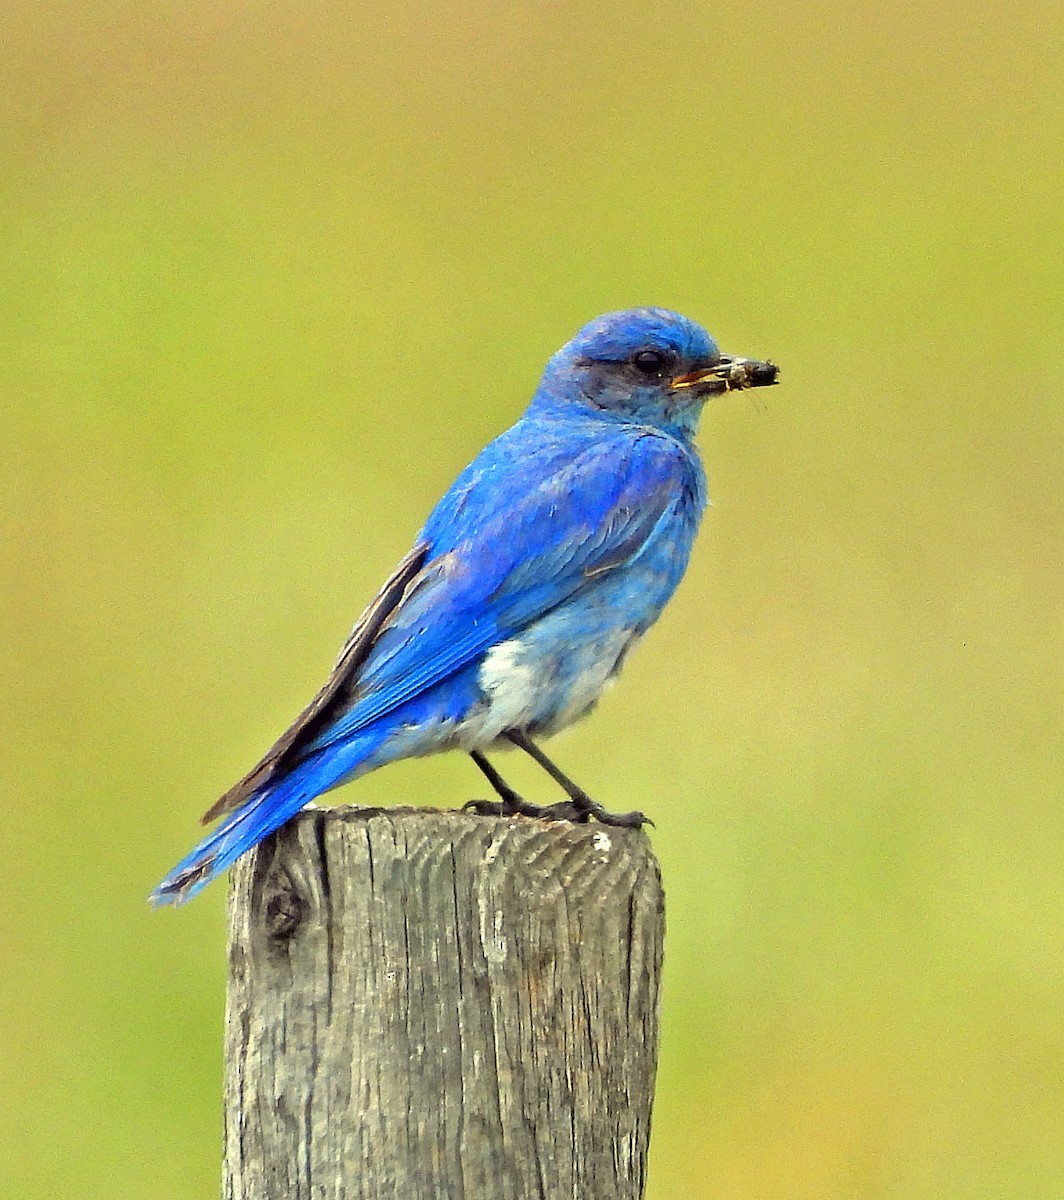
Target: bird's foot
(514, 806)
(579, 810)
(591, 808)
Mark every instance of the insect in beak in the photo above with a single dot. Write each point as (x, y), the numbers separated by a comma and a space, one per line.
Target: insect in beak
(729, 374)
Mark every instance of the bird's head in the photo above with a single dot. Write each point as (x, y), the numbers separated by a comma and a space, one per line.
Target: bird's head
(647, 365)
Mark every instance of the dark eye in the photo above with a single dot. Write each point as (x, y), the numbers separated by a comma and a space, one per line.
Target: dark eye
(651, 362)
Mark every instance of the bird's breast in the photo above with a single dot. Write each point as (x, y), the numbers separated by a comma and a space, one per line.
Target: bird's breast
(545, 678)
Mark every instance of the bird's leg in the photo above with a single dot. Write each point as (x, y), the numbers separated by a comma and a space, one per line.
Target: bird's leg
(510, 803)
(582, 802)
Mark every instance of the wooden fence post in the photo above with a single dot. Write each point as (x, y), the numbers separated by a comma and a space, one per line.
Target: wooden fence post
(425, 1005)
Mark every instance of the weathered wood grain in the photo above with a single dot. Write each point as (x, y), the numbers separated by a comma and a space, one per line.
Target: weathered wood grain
(428, 1005)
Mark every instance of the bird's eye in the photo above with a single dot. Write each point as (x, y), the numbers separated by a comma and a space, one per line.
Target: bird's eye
(651, 362)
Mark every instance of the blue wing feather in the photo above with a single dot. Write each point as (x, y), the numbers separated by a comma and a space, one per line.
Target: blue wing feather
(499, 572)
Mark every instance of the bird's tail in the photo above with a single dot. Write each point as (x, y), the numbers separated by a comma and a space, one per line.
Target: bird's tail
(246, 827)
(258, 817)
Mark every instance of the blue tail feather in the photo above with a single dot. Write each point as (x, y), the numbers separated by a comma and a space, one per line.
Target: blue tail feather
(243, 829)
(260, 816)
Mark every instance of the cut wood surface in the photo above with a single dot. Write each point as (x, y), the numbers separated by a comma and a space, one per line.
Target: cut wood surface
(428, 1004)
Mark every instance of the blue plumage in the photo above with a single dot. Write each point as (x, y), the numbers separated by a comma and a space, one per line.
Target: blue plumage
(547, 559)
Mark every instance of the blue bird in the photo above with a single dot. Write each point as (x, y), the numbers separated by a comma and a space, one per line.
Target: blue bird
(544, 564)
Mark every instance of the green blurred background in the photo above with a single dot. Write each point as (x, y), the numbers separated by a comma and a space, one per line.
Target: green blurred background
(270, 275)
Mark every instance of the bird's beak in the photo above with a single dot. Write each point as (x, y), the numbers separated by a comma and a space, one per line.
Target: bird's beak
(728, 374)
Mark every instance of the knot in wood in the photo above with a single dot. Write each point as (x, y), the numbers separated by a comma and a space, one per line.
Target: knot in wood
(283, 908)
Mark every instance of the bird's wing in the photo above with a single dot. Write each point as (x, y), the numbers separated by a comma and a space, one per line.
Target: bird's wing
(455, 596)
(539, 549)
(335, 693)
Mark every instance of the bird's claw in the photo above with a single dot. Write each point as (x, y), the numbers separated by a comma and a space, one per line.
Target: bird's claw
(517, 807)
(627, 820)
(483, 808)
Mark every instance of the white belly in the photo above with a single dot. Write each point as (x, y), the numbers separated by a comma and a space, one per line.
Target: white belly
(529, 689)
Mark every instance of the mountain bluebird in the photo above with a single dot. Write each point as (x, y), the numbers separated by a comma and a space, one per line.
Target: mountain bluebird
(544, 564)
